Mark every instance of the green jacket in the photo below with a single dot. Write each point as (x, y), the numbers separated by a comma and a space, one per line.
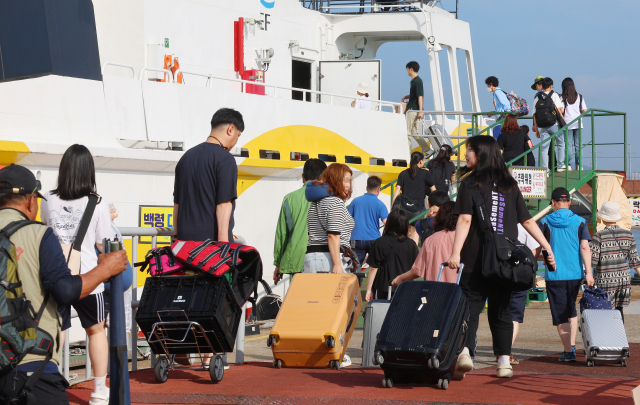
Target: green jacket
(292, 235)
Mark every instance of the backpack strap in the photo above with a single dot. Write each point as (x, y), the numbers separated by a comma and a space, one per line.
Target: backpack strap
(14, 226)
(482, 213)
(94, 200)
(32, 380)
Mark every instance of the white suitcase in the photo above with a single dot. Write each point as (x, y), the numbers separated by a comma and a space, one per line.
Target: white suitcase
(437, 137)
(603, 336)
(374, 315)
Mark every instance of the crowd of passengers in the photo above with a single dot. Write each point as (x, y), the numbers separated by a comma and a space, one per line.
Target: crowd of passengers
(317, 232)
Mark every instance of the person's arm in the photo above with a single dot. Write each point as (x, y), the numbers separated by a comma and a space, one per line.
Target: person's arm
(396, 193)
(404, 98)
(334, 250)
(404, 277)
(371, 276)
(585, 252)
(281, 235)
(535, 126)
(534, 230)
(433, 188)
(223, 216)
(109, 265)
(420, 115)
(462, 230)
(175, 219)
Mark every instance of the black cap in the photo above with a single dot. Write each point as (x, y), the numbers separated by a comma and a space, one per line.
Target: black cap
(559, 193)
(21, 180)
(538, 80)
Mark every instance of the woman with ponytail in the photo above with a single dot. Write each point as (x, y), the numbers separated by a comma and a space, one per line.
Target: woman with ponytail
(414, 185)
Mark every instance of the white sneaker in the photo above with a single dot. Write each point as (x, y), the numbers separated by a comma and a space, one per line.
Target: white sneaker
(97, 399)
(561, 168)
(504, 371)
(346, 361)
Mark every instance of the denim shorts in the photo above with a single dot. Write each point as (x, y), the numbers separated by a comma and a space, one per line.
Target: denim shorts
(318, 262)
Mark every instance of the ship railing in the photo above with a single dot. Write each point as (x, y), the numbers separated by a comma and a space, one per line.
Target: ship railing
(135, 233)
(169, 78)
(359, 5)
(380, 103)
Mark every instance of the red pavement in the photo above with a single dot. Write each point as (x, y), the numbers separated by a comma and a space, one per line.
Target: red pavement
(259, 383)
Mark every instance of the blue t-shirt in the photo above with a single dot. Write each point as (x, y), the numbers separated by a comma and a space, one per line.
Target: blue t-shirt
(564, 230)
(367, 212)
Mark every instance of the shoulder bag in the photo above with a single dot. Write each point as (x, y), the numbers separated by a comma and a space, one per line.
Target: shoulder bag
(72, 252)
(559, 117)
(504, 261)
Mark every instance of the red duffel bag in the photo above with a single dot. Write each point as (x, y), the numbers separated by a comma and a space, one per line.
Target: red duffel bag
(241, 263)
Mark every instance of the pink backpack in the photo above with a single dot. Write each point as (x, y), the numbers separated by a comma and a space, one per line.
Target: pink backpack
(160, 262)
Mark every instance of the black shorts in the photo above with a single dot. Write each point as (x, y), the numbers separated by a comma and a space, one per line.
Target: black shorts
(50, 388)
(562, 299)
(517, 304)
(91, 311)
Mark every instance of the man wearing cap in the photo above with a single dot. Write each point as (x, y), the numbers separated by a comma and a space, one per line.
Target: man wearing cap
(45, 276)
(569, 238)
(537, 84)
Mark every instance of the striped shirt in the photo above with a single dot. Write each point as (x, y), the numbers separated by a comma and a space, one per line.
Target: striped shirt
(610, 250)
(329, 215)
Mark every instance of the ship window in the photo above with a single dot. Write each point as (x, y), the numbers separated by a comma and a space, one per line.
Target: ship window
(356, 160)
(300, 79)
(327, 158)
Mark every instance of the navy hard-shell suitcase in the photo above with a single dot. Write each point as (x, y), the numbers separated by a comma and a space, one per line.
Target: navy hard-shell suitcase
(423, 333)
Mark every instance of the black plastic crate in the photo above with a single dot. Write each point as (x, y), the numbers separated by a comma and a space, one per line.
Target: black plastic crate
(207, 300)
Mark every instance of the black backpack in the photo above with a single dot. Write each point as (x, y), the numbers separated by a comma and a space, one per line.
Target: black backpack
(427, 229)
(545, 109)
(439, 174)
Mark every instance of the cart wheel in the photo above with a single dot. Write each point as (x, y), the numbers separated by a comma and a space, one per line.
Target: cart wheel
(623, 363)
(590, 363)
(161, 370)
(330, 342)
(389, 383)
(443, 384)
(216, 371)
(278, 364)
(333, 364)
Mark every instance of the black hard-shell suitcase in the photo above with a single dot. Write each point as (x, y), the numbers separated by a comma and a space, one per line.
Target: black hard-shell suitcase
(423, 333)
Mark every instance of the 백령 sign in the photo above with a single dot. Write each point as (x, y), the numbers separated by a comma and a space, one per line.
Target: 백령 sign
(155, 216)
(532, 181)
(635, 210)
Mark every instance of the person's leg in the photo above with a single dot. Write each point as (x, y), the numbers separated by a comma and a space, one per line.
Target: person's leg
(557, 293)
(574, 136)
(561, 147)
(412, 123)
(500, 320)
(516, 329)
(573, 287)
(91, 311)
(476, 295)
(516, 308)
(565, 332)
(360, 250)
(544, 148)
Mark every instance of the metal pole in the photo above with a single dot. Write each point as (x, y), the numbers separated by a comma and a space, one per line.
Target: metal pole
(87, 363)
(134, 283)
(580, 148)
(66, 356)
(593, 143)
(240, 337)
(553, 164)
(625, 144)
(134, 340)
(566, 154)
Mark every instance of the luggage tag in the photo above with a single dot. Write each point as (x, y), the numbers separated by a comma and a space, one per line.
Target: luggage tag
(424, 301)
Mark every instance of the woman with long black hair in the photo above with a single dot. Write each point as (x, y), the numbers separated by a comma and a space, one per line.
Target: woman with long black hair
(513, 141)
(391, 255)
(442, 168)
(489, 176)
(414, 185)
(62, 211)
(574, 105)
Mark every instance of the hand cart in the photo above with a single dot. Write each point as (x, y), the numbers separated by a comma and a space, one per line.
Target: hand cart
(184, 337)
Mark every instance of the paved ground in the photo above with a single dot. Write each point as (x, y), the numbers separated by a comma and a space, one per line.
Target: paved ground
(540, 378)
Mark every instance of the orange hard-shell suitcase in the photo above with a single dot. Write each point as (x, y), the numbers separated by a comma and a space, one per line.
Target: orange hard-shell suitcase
(316, 321)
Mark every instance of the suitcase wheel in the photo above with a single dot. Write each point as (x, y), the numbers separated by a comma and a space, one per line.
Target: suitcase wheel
(216, 369)
(334, 364)
(623, 363)
(591, 363)
(277, 364)
(330, 342)
(433, 362)
(443, 383)
(161, 369)
(271, 341)
(387, 383)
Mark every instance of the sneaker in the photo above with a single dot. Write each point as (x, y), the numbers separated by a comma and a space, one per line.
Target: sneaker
(504, 371)
(463, 366)
(567, 356)
(573, 349)
(97, 399)
(513, 361)
(561, 168)
(346, 361)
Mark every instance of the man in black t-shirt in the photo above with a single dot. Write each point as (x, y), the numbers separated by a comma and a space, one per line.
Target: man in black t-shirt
(415, 97)
(204, 191)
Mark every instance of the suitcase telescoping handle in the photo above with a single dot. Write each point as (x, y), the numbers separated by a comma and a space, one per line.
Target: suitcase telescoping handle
(459, 271)
(389, 294)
